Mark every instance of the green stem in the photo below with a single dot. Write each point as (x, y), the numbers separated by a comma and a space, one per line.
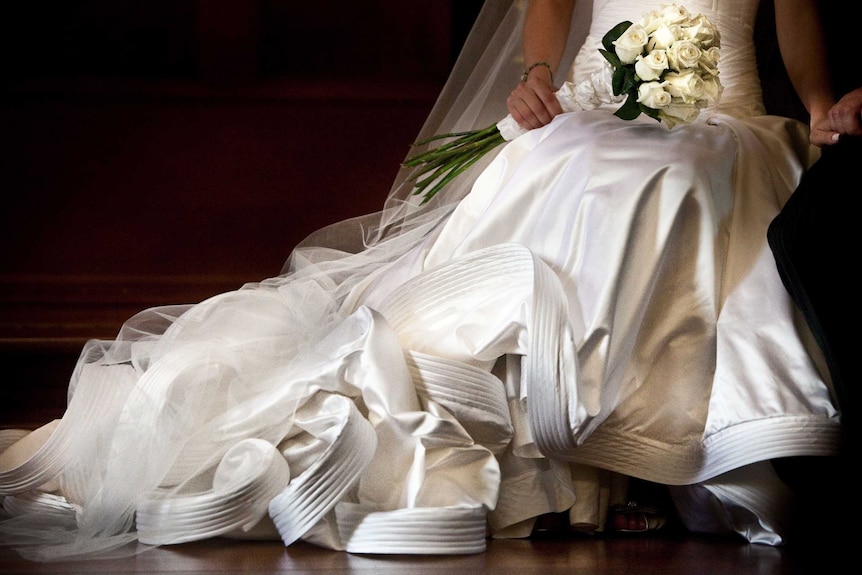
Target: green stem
(479, 133)
(453, 170)
(439, 166)
(455, 155)
(464, 139)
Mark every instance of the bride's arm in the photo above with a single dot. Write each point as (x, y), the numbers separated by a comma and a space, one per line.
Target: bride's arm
(803, 50)
(546, 28)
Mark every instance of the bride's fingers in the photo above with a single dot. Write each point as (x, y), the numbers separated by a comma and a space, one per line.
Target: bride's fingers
(520, 111)
(528, 109)
(552, 104)
(528, 118)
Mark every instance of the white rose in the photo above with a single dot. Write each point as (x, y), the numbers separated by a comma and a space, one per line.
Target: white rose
(712, 89)
(683, 54)
(686, 86)
(703, 32)
(678, 114)
(708, 62)
(631, 43)
(651, 66)
(653, 95)
(675, 14)
(652, 21)
(663, 37)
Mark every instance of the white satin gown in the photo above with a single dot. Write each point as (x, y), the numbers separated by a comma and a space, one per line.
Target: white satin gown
(602, 303)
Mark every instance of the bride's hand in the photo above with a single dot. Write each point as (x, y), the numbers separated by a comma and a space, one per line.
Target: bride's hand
(821, 132)
(533, 103)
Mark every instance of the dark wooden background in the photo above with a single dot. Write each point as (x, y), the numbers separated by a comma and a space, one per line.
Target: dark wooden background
(161, 151)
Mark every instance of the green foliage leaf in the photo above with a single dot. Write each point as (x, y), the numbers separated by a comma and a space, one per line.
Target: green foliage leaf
(631, 83)
(623, 80)
(611, 57)
(630, 109)
(618, 80)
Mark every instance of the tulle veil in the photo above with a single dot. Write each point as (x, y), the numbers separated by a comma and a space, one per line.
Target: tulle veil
(130, 429)
(473, 97)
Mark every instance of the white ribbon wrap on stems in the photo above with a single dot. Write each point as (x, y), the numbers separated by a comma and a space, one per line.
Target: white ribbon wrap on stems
(586, 95)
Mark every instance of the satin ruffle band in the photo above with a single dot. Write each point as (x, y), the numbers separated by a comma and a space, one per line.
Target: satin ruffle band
(387, 401)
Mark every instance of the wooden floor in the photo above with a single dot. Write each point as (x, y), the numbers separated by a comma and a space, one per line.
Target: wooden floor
(666, 554)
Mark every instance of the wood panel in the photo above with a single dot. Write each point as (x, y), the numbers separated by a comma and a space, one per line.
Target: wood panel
(160, 152)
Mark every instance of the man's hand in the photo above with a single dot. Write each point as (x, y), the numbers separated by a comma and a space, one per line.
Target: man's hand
(846, 116)
(843, 119)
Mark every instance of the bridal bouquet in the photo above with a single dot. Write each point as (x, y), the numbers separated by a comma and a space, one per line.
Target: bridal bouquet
(665, 66)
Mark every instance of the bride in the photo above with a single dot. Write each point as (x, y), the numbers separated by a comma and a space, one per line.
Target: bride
(593, 301)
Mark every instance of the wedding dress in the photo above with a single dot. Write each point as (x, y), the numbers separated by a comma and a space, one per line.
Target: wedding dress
(594, 300)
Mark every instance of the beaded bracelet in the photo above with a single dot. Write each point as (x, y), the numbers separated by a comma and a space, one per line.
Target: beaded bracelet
(526, 73)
